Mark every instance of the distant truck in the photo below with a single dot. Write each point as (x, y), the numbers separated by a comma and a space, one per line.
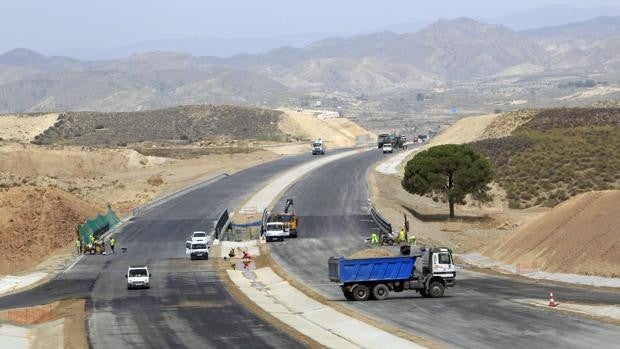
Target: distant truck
(428, 271)
(397, 141)
(282, 225)
(318, 147)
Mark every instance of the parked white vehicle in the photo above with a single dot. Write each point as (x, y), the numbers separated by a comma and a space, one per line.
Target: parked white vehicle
(275, 231)
(138, 276)
(387, 148)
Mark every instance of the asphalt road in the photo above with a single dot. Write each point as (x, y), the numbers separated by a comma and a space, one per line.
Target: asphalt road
(480, 312)
(186, 306)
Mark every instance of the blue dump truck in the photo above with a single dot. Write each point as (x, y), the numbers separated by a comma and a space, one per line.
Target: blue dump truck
(426, 270)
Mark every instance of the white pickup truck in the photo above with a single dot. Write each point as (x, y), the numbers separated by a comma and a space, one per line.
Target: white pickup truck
(275, 231)
(198, 246)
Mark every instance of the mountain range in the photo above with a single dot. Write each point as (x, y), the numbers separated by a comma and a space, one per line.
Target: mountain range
(372, 64)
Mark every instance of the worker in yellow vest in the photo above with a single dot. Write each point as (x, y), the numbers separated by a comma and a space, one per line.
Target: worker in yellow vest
(374, 238)
(112, 243)
(412, 239)
(402, 237)
(78, 246)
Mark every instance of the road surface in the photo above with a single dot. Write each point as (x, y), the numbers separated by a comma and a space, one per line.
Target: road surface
(186, 306)
(480, 312)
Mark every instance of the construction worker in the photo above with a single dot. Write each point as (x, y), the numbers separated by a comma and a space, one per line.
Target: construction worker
(374, 239)
(78, 246)
(412, 239)
(91, 239)
(112, 242)
(402, 237)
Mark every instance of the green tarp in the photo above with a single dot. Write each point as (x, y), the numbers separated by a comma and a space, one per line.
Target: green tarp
(97, 226)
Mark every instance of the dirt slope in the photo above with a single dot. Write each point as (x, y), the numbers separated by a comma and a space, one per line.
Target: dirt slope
(28, 215)
(581, 235)
(23, 128)
(338, 132)
(465, 130)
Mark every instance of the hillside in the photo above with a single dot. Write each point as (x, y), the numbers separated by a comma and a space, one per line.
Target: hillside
(186, 123)
(578, 236)
(337, 132)
(599, 28)
(451, 61)
(23, 211)
(557, 154)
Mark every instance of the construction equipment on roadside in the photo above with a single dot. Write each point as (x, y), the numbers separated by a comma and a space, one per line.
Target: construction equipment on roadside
(281, 225)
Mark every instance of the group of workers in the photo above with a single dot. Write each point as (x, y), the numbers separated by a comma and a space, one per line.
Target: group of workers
(402, 238)
(91, 242)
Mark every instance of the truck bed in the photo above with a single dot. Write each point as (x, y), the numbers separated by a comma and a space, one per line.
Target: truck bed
(370, 269)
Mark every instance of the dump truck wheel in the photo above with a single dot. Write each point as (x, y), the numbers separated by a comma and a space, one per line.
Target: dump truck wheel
(380, 292)
(435, 290)
(348, 295)
(361, 293)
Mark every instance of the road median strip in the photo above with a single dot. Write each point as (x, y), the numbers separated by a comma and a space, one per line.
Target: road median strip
(292, 306)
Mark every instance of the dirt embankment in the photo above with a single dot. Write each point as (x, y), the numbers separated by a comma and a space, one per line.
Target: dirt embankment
(337, 132)
(476, 225)
(116, 176)
(23, 128)
(59, 324)
(37, 222)
(581, 235)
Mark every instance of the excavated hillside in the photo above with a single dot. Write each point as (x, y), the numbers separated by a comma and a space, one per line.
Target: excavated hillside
(581, 235)
(28, 215)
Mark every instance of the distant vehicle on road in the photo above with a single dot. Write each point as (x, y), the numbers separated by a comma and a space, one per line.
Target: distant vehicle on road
(396, 141)
(138, 276)
(198, 250)
(387, 148)
(318, 147)
(427, 270)
(199, 237)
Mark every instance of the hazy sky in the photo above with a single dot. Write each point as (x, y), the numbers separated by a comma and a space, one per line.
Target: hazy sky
(56, 25)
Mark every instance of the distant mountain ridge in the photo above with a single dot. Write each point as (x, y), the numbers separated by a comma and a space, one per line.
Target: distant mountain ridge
(377, 63)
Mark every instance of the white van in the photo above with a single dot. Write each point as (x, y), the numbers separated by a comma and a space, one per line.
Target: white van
(138, 276)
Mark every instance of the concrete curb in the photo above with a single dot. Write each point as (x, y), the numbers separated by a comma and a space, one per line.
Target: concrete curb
(311, 318)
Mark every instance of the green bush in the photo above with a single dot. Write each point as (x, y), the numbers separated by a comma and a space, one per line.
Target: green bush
(559, 153)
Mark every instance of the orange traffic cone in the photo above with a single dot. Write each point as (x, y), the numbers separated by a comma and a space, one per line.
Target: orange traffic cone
(552, 302)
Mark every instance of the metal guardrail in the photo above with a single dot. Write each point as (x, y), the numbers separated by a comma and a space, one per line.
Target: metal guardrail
(263, 222)
(382, 223)
(221, 224)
